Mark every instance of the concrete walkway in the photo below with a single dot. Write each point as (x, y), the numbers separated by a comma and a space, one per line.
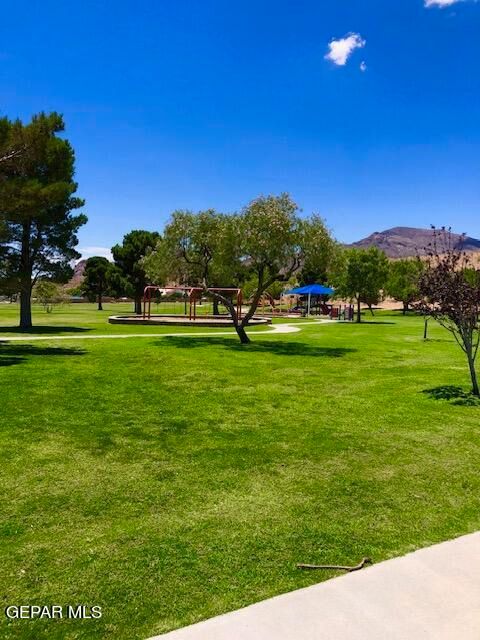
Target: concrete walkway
(287, 327)
(431, 594)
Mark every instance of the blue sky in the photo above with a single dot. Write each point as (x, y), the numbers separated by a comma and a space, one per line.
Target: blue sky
(196, 104)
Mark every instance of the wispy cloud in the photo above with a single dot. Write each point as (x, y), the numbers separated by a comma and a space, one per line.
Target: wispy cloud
(441, 3)
(339, 51)
(88, 252)
(363, 66)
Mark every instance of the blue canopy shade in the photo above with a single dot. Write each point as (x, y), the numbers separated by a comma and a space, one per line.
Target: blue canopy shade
(312, 289)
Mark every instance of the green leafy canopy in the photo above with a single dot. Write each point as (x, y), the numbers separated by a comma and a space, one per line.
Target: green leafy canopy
(37, 199)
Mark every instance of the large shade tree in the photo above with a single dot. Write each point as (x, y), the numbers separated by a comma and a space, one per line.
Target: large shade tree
(4, 250)
(199, 248)
(263, 244)
(37, 201)
(7, 156)
(449, 290)
(320, 252)
(270, 232)
(362, 276)
(128, 257)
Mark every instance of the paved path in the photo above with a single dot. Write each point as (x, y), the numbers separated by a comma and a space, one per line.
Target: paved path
(276, 328)
(432, 594)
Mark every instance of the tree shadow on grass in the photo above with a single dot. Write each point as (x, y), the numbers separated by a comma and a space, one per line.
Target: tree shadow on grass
(43, 329)
(277, 347)
(455, 395)
(372, 322)
(11, 354)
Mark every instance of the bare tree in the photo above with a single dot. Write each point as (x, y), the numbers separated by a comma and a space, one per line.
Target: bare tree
(449, 290)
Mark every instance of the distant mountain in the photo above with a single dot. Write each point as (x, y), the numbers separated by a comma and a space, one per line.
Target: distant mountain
(78, 274)
(404, 242)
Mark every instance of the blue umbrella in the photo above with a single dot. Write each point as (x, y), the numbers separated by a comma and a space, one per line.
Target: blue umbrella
(312, 290)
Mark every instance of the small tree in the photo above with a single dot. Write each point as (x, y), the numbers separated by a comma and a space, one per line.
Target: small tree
(402, 282)
(449, 288)
(48, 294)
(362, 277)
(129, 259)
(98, 278)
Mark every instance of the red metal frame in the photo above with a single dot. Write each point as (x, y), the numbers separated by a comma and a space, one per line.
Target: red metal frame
(193, 294)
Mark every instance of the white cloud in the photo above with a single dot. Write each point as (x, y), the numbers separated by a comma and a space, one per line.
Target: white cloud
(441, 3)
(363, 66)
(88, 252)
(340, 50)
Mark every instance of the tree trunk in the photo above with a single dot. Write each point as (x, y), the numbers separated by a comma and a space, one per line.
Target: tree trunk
(242, 334)
(473, 373)
(100, 305)
(425, 328)
(359, 313)
(405, 308)
(26, 307)
(216, 311)
(138, 306)
(25, 279)
(371, 309)
(239, 326)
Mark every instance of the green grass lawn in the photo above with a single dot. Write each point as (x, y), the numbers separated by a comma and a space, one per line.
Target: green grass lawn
(172, 479)
(84, 319)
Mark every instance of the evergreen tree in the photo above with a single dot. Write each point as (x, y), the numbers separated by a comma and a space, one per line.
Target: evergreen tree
(98, 280)
(38, 228)
(129, 256)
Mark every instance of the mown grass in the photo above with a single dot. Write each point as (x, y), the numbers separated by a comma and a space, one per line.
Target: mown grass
(84, 319)
(171, 479)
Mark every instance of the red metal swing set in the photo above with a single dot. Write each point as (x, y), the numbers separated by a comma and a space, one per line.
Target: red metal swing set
(194, 294)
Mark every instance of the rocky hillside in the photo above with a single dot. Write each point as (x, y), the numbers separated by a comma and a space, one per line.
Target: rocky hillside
(403, 242)
(78, 272)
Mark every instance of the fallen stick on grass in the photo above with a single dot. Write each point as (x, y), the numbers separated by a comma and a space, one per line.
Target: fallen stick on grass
(336, 567)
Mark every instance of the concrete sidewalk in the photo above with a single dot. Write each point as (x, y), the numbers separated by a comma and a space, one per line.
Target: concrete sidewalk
(431, 594)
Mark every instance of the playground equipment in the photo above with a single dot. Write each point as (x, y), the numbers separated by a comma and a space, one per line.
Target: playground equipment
(320, 307)
(191, 300)
(194, 295)
(345, 312)
(316, 290)
(266, 300)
